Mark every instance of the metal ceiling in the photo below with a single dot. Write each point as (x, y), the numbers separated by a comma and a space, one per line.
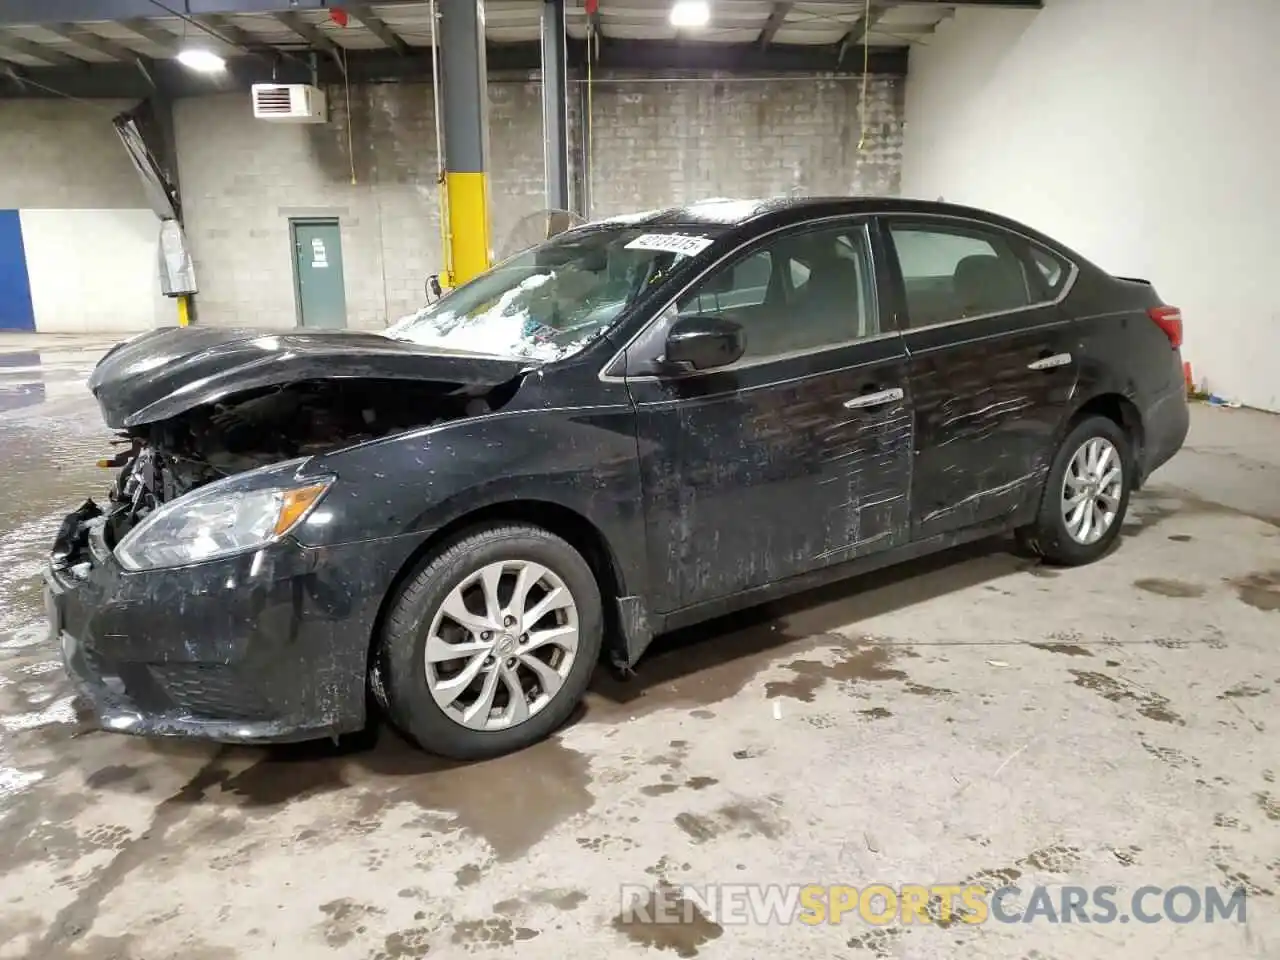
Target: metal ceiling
(91, 45)
(36, 33)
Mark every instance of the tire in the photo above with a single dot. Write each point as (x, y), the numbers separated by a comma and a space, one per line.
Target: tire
(404, 682)
(1049, 536)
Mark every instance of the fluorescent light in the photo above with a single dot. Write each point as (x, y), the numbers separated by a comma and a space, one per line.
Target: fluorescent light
(690, 13)
(202, 61)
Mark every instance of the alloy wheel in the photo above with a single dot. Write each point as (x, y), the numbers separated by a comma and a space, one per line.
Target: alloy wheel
(1091, 490)
(501, 645)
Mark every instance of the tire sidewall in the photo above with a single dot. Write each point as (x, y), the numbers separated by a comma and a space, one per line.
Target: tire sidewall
(1055, 542)
(410, 703)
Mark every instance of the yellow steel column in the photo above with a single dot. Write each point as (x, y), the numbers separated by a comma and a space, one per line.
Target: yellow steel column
(465, 99)
(468, 206)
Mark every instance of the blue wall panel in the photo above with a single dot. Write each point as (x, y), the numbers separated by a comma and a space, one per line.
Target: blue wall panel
(16, 312)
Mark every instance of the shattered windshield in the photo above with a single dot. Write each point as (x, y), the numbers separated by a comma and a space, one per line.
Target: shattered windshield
(552, 300)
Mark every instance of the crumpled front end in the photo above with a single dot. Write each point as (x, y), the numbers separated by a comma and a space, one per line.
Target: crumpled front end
(268, 646)
(179, 609)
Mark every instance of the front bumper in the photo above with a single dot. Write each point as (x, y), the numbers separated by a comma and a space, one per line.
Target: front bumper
(267, 647)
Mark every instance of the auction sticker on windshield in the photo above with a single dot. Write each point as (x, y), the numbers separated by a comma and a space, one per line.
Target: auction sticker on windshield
(670, 243)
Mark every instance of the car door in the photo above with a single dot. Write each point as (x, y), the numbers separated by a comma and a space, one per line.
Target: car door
(793, 457)
(992, 366)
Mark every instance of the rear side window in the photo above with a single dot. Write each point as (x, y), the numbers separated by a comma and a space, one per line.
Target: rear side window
(1052, 267)
(955, 272)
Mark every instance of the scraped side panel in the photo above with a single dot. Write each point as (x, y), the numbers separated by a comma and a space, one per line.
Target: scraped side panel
(986, 417)
(760, 474)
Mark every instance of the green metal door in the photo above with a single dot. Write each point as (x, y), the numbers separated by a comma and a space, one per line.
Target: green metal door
(317, 268)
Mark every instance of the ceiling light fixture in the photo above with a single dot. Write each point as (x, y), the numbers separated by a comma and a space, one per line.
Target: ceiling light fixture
(690, 13)
(202, 61)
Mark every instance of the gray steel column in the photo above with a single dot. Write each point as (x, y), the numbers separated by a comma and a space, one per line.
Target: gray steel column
(555, 105)
(465, 104)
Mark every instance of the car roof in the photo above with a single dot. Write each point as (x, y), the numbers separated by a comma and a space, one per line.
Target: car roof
(779, 211)
(738, 211)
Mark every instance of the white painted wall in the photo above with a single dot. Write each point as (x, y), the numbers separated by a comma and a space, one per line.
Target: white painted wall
(1143, 133)
(94, 271)
(91, 243)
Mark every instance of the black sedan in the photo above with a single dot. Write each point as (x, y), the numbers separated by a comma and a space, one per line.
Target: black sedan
(639, 424)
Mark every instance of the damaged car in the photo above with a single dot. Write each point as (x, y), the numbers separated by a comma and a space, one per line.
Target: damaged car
(637, 425)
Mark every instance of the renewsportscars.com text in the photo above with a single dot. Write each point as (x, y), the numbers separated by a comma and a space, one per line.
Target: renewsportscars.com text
(942, 904)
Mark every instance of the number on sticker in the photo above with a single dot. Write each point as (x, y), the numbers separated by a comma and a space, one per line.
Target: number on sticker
(670, 243)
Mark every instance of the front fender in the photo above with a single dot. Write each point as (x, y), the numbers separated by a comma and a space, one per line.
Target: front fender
(583, 460)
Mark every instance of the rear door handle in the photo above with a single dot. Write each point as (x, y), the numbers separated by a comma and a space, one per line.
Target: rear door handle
(1048, 363)
(874, 399)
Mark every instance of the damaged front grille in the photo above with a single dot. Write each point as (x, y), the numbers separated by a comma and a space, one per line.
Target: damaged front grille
(204, 690)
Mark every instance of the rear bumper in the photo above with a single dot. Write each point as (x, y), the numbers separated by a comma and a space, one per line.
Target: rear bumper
(1165, 423)
(267, 647)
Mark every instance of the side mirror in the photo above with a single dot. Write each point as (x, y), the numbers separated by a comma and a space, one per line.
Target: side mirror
(433, 287)
(704, 342)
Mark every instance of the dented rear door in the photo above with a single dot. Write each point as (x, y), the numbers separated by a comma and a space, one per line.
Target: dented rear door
(992, 366)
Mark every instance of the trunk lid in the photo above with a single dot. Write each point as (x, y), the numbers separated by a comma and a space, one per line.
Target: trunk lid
(167, 372)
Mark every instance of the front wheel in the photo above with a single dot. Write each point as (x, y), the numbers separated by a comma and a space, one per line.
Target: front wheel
(490, 646)
(1086, 495)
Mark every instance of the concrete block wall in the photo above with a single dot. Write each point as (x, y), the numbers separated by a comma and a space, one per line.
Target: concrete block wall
(243, 179)
(652, 144)
(65, 155)
(87, 239)
(373, 168)
(675, 141)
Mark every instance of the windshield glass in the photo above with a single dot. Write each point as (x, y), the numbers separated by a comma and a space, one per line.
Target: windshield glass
(554, 299)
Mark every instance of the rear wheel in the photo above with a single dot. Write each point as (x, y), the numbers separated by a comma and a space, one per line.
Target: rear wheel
(490, 646)
(1086, 495)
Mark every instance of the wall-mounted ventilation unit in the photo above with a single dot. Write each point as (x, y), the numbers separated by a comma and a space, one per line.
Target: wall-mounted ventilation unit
(289, 103)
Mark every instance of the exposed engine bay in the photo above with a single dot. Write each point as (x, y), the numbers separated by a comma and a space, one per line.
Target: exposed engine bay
(192, 405)
(164, 460)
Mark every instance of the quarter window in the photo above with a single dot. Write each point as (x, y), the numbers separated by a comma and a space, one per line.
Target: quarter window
(1052, 268)
(951, 273)
(796, 294)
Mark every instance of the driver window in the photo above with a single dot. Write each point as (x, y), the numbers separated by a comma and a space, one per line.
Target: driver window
(743, 284)
(795, 294)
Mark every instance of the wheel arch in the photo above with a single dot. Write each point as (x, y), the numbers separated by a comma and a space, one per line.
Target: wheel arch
(565, 522)
(1122, 411)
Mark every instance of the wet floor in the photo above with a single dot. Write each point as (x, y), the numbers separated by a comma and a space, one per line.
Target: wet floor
(973, 717)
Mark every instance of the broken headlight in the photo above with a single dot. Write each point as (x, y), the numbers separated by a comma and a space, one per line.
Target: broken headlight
(215, 522)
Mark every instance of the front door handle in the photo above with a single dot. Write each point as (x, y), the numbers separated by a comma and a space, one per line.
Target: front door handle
(874, 399)
(1048, 363)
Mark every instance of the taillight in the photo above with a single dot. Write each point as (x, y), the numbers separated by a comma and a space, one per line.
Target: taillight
(1168, 319)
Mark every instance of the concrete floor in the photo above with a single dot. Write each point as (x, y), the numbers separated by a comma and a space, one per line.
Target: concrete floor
(971, 716)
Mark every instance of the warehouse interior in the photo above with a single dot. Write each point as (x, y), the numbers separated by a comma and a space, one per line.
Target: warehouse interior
(972, 716)
(766, 100)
